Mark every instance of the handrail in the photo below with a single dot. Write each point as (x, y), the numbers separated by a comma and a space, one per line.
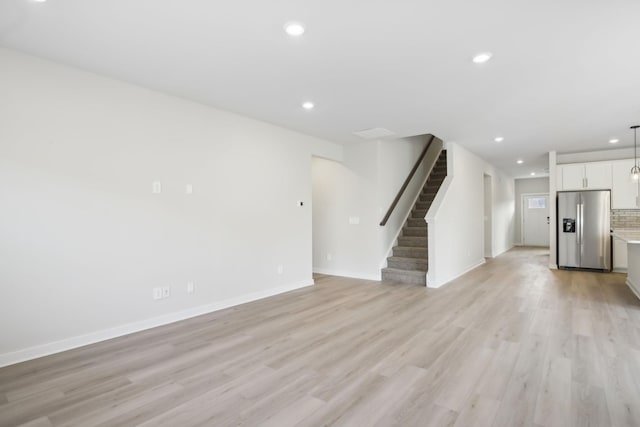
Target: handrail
(406, 181)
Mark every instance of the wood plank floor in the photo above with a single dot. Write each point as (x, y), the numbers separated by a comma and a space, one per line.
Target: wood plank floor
(510, 344)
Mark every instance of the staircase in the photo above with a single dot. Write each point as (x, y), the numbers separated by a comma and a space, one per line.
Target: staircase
(409, 261)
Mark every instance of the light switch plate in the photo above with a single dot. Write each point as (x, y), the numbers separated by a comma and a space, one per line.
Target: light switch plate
(156, 187)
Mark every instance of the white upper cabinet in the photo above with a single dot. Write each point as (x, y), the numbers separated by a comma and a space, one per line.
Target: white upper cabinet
(624, 192)
(598, 175)
(585, 176)
(572, 176)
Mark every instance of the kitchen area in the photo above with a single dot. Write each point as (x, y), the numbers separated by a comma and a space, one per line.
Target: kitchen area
(598, 213)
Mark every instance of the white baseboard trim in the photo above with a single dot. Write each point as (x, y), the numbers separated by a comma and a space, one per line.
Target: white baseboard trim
(106, 334)
(633, 287)
(497, 254)
(438, 284)
(351, 274)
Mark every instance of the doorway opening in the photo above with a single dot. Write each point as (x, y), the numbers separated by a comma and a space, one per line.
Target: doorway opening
(488, 217)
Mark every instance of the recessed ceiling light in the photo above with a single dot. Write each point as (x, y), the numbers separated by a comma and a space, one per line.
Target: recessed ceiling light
(520, 161)
(499, 139)
(294, 29)
(533, 174)
(38, 1)
(483, 57)
(614, 141)
(308, 105)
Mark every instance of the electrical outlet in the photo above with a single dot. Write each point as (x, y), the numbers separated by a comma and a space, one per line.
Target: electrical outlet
(190, 287)
(156, 187)
(166, 292)
(157, 293)
(280, 269)
(329, 257)
(188, 189)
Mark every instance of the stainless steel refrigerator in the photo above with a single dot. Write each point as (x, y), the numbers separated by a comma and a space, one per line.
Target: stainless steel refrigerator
(584, 229)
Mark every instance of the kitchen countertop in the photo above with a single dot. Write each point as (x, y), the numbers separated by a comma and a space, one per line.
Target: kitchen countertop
(628, 235)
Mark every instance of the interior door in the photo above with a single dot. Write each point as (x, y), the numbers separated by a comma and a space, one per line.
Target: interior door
(535, 220)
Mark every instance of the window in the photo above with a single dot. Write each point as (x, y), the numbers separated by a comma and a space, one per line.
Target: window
(537, 202)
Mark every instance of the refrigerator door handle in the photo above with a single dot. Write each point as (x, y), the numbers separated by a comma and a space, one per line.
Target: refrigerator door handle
(581, 222)
(578, 224)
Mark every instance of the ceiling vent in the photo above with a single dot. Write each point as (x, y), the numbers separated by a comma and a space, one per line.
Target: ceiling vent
(374, 133)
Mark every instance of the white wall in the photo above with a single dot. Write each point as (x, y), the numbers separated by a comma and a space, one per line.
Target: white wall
(341, 191)
(503, 212)
(595, 156)
(455, 220)
(362, 186)
(527, 186)
(82, 239)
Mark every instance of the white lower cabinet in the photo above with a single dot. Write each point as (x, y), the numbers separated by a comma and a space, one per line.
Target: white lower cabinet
(619, 255)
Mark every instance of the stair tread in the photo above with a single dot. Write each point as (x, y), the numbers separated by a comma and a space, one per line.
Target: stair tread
(410, 248)
(406, 258)
(412, 239)
(418, 273)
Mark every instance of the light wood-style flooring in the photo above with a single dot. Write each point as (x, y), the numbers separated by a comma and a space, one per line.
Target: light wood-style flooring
(512, 343)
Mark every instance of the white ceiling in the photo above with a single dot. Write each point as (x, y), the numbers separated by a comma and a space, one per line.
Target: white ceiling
(565, 74)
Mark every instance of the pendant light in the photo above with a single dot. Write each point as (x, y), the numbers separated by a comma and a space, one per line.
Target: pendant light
(635, 170)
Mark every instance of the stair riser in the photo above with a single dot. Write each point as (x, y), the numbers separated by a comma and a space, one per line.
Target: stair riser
(414, 232)
(416, 222)
(418, 264)
(431, 189)
(401, 278)
(423, 204)
(410, 252)
(414, 242)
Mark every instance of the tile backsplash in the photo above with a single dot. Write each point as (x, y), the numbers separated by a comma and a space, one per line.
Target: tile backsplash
(625, 218)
